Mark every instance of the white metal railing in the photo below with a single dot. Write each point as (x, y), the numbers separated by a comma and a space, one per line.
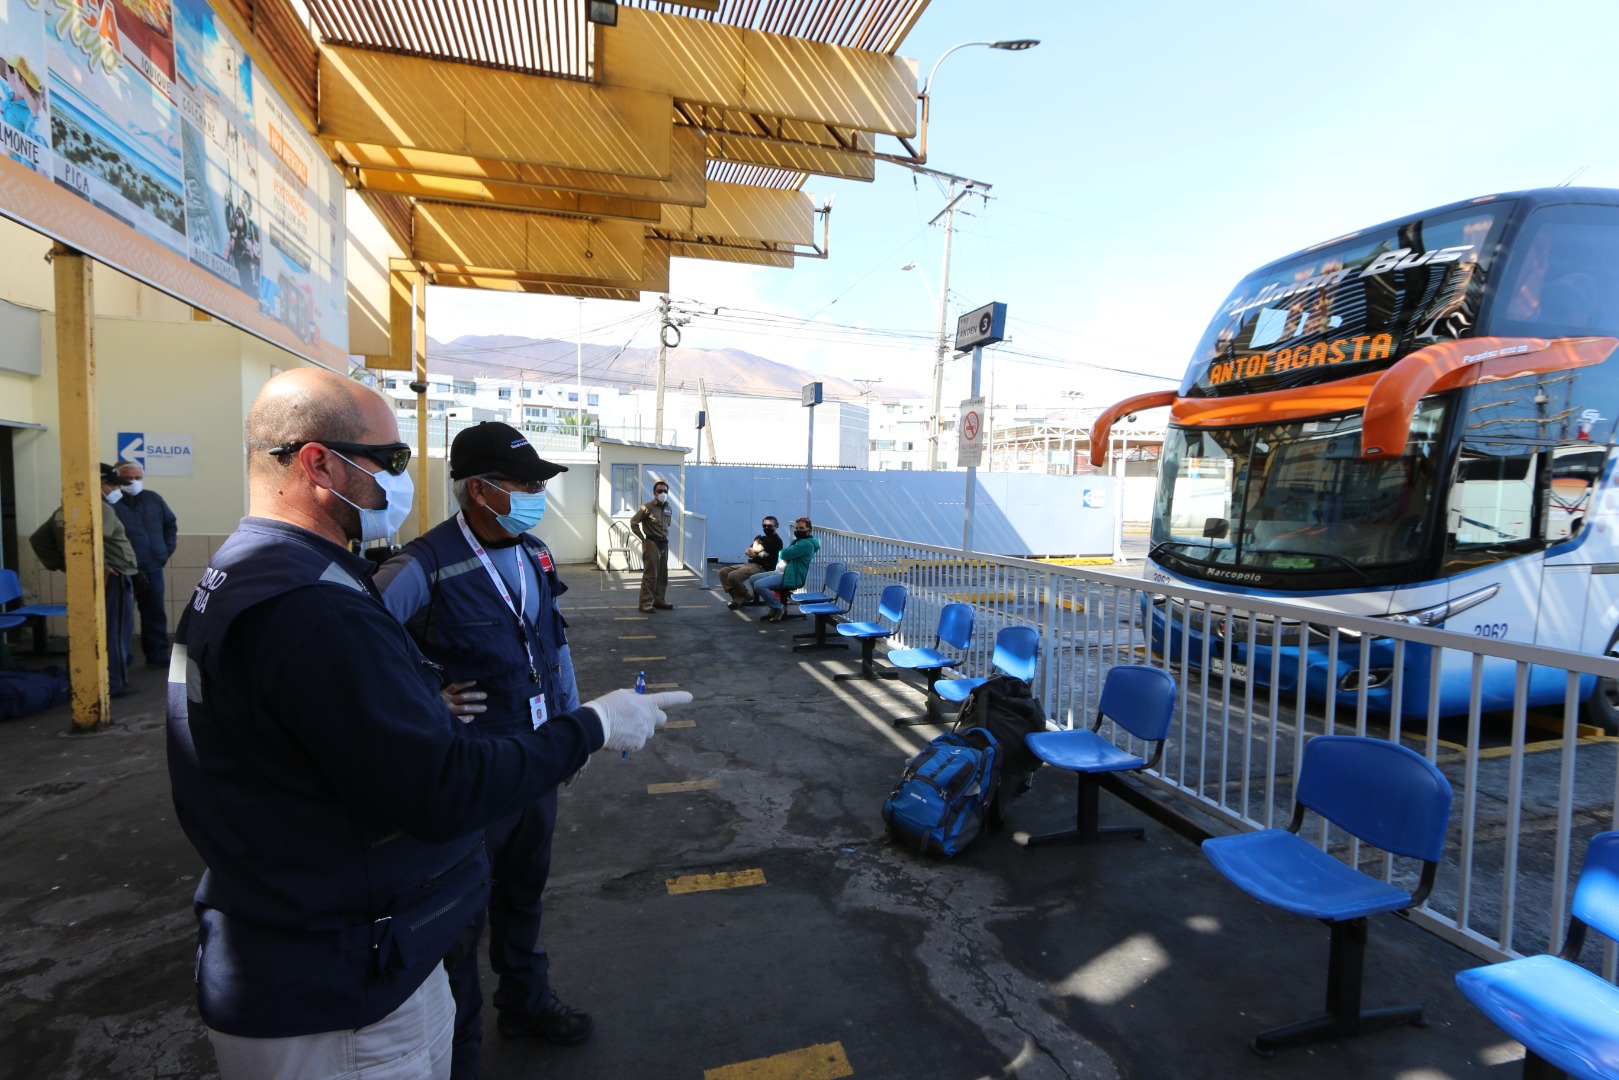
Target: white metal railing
(694, 546)
(1524, 808)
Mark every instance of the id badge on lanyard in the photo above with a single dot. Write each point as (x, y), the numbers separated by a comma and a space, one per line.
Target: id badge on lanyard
(536, 705)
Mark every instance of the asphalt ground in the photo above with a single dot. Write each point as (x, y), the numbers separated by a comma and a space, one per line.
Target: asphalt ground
(832, 952)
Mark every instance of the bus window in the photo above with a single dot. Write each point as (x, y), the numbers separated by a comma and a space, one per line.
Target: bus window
(1491, 508)
(1574, 473)
(1563, 279)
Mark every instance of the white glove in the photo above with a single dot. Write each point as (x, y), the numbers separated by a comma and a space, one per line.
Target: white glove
(629, 719)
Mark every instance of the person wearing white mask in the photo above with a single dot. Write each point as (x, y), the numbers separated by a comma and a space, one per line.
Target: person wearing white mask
(651, 525)
(337, 802)
(154, 532)
(478, 593)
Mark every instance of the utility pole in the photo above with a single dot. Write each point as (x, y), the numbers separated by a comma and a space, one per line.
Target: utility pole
(942, 346)
(708, 428)
(664, 326)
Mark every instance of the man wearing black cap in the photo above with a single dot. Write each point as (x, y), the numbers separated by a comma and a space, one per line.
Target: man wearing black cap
(478, 593)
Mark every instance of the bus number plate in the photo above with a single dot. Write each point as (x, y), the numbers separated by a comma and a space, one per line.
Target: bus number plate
(1217, 666)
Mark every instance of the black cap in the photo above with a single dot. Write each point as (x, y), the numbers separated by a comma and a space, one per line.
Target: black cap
(493, 447)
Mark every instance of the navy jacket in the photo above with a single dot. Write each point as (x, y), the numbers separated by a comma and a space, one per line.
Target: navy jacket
(336, 802)
(151, 528)
(466, 627)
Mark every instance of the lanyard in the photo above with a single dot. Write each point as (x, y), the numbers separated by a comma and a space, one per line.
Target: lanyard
(517, 609)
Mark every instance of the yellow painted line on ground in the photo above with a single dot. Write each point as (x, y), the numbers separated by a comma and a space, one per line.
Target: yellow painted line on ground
(1554, 724)
(638, 659)
(1541, 746)
(824, 1062)
(663, 686)
(729, 879)
(682, 786)
(629, 618)
(638, 637)
(681, 724)
(982, 597)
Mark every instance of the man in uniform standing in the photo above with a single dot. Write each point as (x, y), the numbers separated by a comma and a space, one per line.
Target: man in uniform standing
(154, 532)
(651, 526)
(478, 595)
(338, 805)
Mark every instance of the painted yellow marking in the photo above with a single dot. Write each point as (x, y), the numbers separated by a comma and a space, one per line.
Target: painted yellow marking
(681, 724)
(982, 597)
(638, 659)
(1541, 746)
(682, 786)
(663, 686)
(824, 1062)
(729, 879)
(629, 618)
(638, 637)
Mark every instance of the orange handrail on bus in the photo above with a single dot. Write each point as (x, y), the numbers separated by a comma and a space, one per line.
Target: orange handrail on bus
(1451, 364)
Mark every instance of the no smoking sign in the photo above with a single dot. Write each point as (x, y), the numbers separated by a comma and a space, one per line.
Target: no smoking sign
(970, 446)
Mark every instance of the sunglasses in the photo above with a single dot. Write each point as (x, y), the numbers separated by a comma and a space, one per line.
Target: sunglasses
(531, 487)
(394, 457)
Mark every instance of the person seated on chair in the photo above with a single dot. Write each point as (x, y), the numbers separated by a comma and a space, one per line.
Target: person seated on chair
(795, 562)
(761, 555)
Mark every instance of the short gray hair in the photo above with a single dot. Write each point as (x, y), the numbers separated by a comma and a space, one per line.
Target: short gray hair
(458, 488)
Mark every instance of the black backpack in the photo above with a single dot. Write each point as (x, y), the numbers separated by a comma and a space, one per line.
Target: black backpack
(1007, 709)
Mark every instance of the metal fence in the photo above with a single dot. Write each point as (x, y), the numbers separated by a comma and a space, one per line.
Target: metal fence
(1526, 800)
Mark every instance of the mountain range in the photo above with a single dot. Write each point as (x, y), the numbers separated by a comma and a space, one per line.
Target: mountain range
(725, 371)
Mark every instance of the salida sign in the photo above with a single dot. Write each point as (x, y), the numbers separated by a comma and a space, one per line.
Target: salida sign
(159, 454)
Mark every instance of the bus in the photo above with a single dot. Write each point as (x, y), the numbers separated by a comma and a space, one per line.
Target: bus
(1412, 422)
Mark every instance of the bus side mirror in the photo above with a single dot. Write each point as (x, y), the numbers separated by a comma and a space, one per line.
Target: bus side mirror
(1216, 528)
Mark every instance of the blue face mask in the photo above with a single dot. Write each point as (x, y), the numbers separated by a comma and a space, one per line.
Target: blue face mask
(381, 524)
(526, 512)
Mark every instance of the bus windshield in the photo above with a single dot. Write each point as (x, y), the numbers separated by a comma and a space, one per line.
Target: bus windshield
(1350, 306)
(1259, 503)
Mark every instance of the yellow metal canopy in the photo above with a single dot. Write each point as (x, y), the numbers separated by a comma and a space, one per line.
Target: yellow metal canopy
(513, 144)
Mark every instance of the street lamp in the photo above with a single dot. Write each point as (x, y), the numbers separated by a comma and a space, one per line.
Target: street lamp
(942, 345)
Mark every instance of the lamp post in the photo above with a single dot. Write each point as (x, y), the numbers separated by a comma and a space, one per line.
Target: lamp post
(942, 344)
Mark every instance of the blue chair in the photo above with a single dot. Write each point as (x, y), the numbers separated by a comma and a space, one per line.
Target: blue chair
(1566, 1017)
(956, 631)
(890, 606)
(1378, 792)
(11, 589)
(829, 587)
(1017, 650)
(1137, 698)
(829, 614)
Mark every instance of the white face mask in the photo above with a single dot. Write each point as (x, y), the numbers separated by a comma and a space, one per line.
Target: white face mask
(130, 487)
(381, 524)
(113, 496)
(662, 496)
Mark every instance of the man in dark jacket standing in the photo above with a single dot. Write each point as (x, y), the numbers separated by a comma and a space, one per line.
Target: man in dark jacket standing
(478, 594)
(651, 525)
(154, 532)
(338, 805)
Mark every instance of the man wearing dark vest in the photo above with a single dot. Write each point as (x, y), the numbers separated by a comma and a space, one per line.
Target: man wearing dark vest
(338, 804)
(478, 594)
(154, 533)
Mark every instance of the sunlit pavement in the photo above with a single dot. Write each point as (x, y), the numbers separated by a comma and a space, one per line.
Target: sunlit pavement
(725, 903)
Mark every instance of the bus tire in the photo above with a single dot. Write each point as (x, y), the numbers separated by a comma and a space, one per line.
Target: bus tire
(1601, 709)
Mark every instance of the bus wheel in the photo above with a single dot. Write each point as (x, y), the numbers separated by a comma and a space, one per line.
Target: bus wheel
(1601, 709)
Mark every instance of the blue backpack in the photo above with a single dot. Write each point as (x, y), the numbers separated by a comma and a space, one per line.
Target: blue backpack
(944, 794)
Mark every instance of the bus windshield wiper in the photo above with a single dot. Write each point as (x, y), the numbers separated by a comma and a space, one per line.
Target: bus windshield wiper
(1339, 559)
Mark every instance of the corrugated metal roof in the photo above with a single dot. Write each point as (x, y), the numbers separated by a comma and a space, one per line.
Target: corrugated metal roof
(552, 37)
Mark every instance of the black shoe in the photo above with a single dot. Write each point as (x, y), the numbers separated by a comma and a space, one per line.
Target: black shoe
(774, 616)
(661, 606)
(555, 1023)
(733, 605)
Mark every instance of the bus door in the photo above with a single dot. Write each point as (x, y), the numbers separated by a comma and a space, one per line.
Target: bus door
(1490, 541)
(1572, 537)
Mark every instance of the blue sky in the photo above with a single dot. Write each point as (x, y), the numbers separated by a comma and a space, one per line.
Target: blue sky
(1143, 158)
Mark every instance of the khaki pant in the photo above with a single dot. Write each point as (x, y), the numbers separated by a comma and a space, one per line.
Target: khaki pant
(410, 1043)
(654, 573)
(732, 578)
